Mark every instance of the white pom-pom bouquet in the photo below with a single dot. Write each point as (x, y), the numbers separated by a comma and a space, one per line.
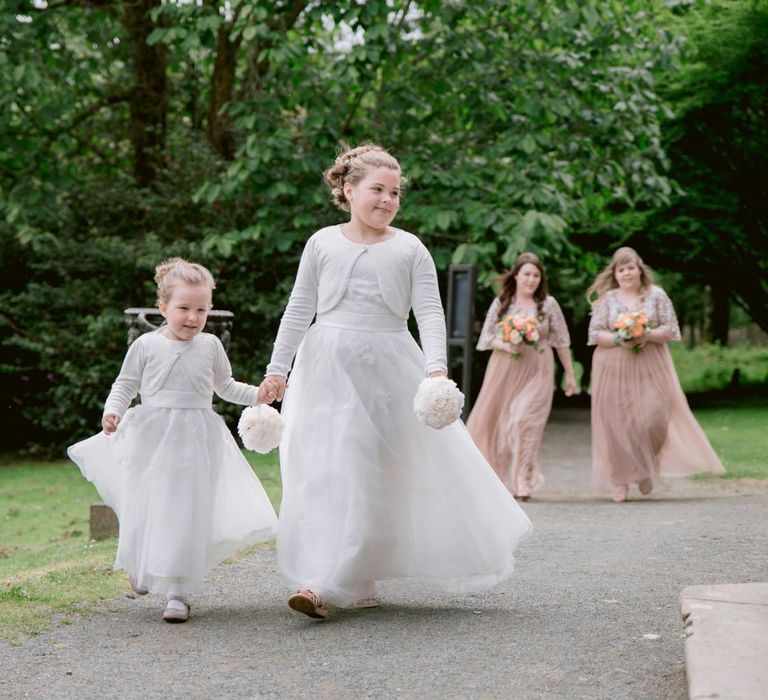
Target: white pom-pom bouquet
(261, 428)
(438, 402)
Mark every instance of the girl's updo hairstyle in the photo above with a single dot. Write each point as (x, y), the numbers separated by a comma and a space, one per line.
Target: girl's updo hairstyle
(353, 165)
(175, 271)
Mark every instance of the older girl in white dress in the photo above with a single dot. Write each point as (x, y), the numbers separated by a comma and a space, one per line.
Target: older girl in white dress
(184, 495)
(642, 427)
(369, 492)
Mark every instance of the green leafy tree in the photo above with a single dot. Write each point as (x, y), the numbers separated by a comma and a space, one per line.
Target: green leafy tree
(715, 229)
(134, 131)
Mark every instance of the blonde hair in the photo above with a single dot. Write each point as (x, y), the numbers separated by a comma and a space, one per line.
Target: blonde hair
(175, 271)
(353, 165)
(606, 280)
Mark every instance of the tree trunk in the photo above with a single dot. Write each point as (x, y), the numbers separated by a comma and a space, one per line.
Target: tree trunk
(222, 84)
(720, 316)
(749, 287)
(148, 99)
(223, 79)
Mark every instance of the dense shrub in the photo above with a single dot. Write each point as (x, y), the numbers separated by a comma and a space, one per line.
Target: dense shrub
(62, 326)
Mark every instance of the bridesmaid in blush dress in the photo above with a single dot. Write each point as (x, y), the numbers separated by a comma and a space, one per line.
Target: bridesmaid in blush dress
(508, 419)
(642, 427)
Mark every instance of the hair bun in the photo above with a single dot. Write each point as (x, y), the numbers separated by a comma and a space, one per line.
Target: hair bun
(352, 165)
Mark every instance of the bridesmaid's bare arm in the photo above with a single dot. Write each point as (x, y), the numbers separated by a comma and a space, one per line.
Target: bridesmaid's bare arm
(570, 378)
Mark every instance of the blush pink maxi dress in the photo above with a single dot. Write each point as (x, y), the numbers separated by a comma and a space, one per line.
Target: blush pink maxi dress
(507, 421)
(642, 426)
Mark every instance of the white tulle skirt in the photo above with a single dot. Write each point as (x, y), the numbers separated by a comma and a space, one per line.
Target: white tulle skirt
(184, 495)
(371, 494)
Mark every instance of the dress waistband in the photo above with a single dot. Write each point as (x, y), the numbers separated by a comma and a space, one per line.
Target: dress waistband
(362, 322)
(176, 399)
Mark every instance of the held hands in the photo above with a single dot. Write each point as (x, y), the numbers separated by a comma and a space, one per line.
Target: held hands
(272, 388)
(109, 422)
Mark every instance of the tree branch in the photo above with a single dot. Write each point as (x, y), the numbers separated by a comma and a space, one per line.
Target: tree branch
(281, 23)
(63, 4)
(111, 99)
(10, 322)
(58, 129)
(223, 79)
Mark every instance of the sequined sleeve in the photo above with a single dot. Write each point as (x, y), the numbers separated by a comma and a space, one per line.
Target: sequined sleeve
(558, 328)
(599, 321)
(488, 333)
(667, 319)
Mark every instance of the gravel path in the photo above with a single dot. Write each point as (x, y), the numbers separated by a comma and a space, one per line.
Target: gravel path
(591, 613)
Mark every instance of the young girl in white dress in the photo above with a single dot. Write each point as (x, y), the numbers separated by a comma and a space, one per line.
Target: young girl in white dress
(369, 492)
(184, 495)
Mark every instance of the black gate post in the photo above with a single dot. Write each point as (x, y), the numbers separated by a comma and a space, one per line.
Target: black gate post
(460, 315)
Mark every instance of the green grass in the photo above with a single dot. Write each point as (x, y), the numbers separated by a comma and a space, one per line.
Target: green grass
(711, 367)
(49, 570)
(267, 468)
(740, 437)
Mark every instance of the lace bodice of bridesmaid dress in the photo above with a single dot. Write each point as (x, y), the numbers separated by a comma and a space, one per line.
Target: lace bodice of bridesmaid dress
(656, 304)
(554, 330)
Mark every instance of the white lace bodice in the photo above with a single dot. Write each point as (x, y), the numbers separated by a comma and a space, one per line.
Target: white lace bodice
(363, 295)
(155, 364)
(178, 378)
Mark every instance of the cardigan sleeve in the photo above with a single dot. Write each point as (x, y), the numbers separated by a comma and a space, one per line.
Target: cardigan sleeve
(298, 314)
(126, 386)
(223, 382)
(428, 309)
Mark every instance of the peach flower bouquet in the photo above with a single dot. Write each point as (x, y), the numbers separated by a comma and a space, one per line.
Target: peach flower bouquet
(519, 329)
(630, 325)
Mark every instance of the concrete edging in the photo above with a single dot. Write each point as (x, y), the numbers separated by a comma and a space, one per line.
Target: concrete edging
(726, 645)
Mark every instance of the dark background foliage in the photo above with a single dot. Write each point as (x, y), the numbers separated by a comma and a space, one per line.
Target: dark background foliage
(134, 131)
